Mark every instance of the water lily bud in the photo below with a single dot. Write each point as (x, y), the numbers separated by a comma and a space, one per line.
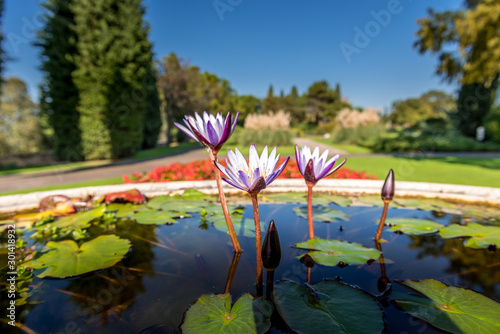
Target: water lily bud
(271, 248)
(388, 187)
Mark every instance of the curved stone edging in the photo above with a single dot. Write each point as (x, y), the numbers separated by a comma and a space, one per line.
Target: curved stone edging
(472, 194)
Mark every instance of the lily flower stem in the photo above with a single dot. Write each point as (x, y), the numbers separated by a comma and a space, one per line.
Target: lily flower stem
(229, 222)
(382, 221)
(309, 211)
(258, 238)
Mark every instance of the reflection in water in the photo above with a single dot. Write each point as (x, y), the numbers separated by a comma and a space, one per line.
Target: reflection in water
(474, 268)
(169, 267)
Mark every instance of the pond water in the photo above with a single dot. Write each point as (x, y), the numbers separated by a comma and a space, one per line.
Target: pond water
(170, 266)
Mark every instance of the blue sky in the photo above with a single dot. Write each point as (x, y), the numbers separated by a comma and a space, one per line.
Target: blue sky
(366, 46)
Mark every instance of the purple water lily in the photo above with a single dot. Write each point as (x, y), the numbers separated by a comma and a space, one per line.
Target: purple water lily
(211, 131)
(313, 166)
(254, 176)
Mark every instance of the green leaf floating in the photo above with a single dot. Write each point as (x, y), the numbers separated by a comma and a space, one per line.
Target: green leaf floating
(412, 226)
(335, 252)
(192, 202)
(159, 217)
(452, 309)
(66, 259)
(327, 307)
(244, 227)
(80, 219)
(213, 314)
(481, 236)
(321, 213)
(301, 197)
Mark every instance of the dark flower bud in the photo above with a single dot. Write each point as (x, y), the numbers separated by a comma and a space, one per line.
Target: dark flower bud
(388, 187)
(271, 248)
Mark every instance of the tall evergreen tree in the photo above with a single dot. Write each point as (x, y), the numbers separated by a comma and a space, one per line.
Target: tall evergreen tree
(60, 95)
(270, 103)
(1, 46)
(152, 120)
(112, 62)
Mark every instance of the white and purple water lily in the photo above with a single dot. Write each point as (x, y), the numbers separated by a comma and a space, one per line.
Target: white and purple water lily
(211, 131)
(313, 166)
(254, 176)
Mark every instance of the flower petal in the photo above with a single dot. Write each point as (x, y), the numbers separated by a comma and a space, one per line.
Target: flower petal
(277, 172)
(186, 131)
(253, 159)
(234, 184)
(336, 168)
(243, 178)
(258, 185)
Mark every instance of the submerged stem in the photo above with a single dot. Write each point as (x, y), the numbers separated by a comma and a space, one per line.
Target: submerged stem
(232, 271)
(258, 237)
(309, 211)
(229, 223)
(382, 221)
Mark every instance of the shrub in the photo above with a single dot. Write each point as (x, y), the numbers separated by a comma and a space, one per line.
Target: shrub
(363, 135)
(492, 125)
(274, 121)
(278, 137)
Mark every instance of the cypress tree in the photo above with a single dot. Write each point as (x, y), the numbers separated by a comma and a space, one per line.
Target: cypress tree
(60, 98)
(113, 61)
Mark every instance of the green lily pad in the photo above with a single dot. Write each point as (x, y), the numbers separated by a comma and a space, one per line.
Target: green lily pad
(321, 213)
(481, 236)
(286, 197)
(481, 212)
(452, 309)
(213, 314)
(301, 197)
(126, 210)
(412, 226)
(66, 259)
(192, 194)
(327, 307)
(80, 219)
(335, 252)
(178, 203)
(375, 200)
(158, 217)
(244, 227)
(429, 204)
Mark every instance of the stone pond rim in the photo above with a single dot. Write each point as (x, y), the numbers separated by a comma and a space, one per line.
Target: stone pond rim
(450, 192)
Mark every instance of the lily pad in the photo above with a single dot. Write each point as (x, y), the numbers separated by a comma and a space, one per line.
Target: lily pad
(335, 252)
(126, 210)
(321, 213)
(412, 226)
(66, 259)
(430, 204)
(452, 309)
(244, 227)
(327, 307)
(213, 314)
(80, 219)
(178, 203)
(286, 197)
(158, 217)
(196, 194)
(481, 236)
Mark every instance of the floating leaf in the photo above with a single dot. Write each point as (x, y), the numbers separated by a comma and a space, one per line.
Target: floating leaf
(301, 197)
(412, 226)
(177, 203)
(244, 227)
(327, 307)
(335, 252)
(321, 213)
(66, 259)
(196, 194)
(452, 309)
(213, 314)
(481, 212)
(126, 210)
(481, 236)
(158, 217)
(375, 200)
(286, 197)
(80, 219)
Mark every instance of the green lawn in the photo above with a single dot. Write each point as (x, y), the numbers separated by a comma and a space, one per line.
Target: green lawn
(466, 171)
(352, 149)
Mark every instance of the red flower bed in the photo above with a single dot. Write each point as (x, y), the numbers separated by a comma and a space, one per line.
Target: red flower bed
(204, 170)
